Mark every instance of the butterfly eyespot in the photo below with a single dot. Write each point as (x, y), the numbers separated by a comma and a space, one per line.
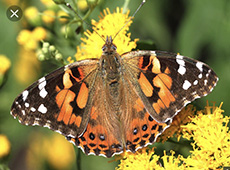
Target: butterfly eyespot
(144, 127)
(135, 131)
(102, 137)
(91, 136)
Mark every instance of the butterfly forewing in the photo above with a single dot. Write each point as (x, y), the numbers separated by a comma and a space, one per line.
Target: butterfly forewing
(166, 82)
(53, 102)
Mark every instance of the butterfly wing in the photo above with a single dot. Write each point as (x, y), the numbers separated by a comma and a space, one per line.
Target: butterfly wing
(61, 100)
(163, 84)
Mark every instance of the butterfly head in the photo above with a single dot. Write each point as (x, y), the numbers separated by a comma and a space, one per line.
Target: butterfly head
(110, 59)
(109, 48)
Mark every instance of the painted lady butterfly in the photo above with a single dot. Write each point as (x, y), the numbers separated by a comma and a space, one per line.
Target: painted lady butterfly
(117, 102)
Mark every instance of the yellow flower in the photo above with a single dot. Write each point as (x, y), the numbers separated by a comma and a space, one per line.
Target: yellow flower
(211, 134)
(60, 152)
(142, 159)
(26, 68)
(54, 150)
(33, 16)
(108, 25)
(172, 162)
(39, 33)
(4, 146)
(82, 5)
(4, 64)
(29, 39)
(48, 16)
(60, 14)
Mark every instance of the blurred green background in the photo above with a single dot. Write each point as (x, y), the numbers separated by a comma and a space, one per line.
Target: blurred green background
(193, 28)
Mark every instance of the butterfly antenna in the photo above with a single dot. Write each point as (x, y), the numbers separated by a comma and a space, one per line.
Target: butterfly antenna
(70, 7)
(142, 3)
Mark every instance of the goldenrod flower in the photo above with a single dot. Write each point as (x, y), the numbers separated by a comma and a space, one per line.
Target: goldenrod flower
(172, 162)
(39, 33)
(60, 152)
(48, 16)
(142, 159)
(54, 150)
(108, 25)
(4, 146)
(33, 16)
(30, 39)
(4, 64)
(211, 134)
(61, 13)
(26, 68)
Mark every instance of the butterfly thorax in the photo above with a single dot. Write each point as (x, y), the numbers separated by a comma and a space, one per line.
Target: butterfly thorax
(110, 65)
(110, 62)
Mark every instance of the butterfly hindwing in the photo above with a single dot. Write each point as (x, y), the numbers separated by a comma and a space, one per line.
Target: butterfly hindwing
(59, 100)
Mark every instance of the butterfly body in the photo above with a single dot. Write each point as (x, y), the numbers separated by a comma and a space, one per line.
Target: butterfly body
(117, 102)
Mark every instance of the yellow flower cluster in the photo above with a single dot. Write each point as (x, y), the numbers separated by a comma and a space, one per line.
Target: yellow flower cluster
(55, 150)
(210, 131)
(211, 135)
(108, 25)
(4, 146)
(30, 39)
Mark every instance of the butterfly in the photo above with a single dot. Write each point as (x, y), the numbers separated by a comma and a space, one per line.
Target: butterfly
(115, 103)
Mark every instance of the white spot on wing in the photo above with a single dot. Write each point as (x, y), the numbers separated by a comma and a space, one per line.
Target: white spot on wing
(205, 82)
(43, 93)
(42, 109)
(27, 104)
(25, 94)
(181, 70)
(186, 85)
(23, 112)
(200, 76)
(41, 87)
(32, 109)
(179, 60)
(199, 65)
(195, 82)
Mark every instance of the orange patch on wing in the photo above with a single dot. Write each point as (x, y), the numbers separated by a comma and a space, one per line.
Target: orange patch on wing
(156, 66)
(72, 119)
(167, 71)
(158, 106)
(145, 85)
(164, 82)
(138, 105)
(78, 121)
(57, 89)
(63, 100)
(66, 79)
(82, 96)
